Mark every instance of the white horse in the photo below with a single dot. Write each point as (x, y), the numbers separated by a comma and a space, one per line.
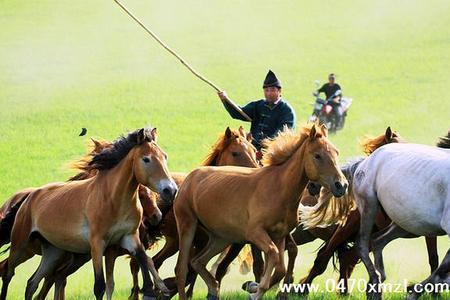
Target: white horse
(412, 184)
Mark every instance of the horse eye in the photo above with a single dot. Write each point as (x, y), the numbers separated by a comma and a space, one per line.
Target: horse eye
(317, 156)
(235, 154)
(146, 159)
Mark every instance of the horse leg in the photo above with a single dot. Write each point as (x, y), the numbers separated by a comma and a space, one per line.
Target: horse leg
(192, 278)
(134, 268)
(169, 249)
(97, 249)
(280, 269)
(214, 246)
(339, 237)
(133, 245)
(75, 263)
(440, 275)
(215, 265)
(433, 257)
(187, 227)
(348, 259)
(258, 263)
(292, 250)
(232, 253)
(391, 233)
(51, 257)
(368, 207)
(17, 256)
(110, 260)
(262, 240)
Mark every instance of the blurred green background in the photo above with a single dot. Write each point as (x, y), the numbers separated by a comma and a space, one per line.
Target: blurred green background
(71, 64)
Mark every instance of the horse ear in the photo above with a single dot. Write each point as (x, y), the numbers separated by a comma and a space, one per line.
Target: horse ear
(324, 130)
(97, 145)
(241, 131)
(228, 133)
(140, 136)
(388, 135)
(313, 132)
(154, 134)
(249, 137)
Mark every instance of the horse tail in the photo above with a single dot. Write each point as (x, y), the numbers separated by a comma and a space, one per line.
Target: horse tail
(6, 224)
(245, 259)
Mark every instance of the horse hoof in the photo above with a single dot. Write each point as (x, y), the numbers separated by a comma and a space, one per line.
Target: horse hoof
(250, 286)
(149, 298)
(374, 296)
(212, 297)
(281, 296)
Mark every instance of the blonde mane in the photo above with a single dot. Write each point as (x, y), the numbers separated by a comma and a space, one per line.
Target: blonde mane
(278, 150)
(328, 211)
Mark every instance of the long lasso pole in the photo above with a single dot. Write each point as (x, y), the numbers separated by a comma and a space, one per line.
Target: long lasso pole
(165, 46)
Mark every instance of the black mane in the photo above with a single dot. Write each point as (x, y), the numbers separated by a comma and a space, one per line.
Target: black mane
(111, 156)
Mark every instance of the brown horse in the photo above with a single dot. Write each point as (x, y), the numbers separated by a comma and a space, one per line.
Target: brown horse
(259, 206)
(151, 215)
(94, 213)
(233, 148)
(300, 236)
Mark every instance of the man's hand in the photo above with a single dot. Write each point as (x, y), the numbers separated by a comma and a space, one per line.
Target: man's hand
(223, 95)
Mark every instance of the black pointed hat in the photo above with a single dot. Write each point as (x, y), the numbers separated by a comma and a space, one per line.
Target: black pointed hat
(271, 80)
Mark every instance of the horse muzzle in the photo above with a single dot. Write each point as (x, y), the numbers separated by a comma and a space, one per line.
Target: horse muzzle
(339, 189)
(168, 190)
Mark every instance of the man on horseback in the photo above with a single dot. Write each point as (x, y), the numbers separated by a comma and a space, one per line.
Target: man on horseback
(269, 115)
(333, 93)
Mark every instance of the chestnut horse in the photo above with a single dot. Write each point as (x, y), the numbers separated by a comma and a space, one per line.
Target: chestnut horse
(303, 236)
(152, 215)
(93, 213)
(237, 205)
(233, 148)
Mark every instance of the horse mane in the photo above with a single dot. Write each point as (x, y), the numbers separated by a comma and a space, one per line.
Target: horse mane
(330, 210)
(219, 146)
(444, 142)
(221, 143)
(109, 157)
(279, 149)
(370, 144)
(82, 165)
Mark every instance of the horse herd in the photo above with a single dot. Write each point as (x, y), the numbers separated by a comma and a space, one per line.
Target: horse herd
(124, 199)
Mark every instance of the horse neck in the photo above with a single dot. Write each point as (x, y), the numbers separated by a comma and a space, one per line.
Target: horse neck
(293, 179)
(121, 184)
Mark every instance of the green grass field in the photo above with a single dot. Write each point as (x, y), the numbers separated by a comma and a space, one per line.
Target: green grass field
(71, 64)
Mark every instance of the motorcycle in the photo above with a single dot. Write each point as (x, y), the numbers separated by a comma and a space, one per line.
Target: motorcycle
(323, 110)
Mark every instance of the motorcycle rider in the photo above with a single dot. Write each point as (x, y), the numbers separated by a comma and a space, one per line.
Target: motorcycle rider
(333, 99)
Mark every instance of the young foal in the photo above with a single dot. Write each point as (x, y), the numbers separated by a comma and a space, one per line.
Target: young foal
(89, 215)
(259, 206)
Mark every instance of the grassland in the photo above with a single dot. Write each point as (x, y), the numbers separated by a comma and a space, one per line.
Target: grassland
(71, 64)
